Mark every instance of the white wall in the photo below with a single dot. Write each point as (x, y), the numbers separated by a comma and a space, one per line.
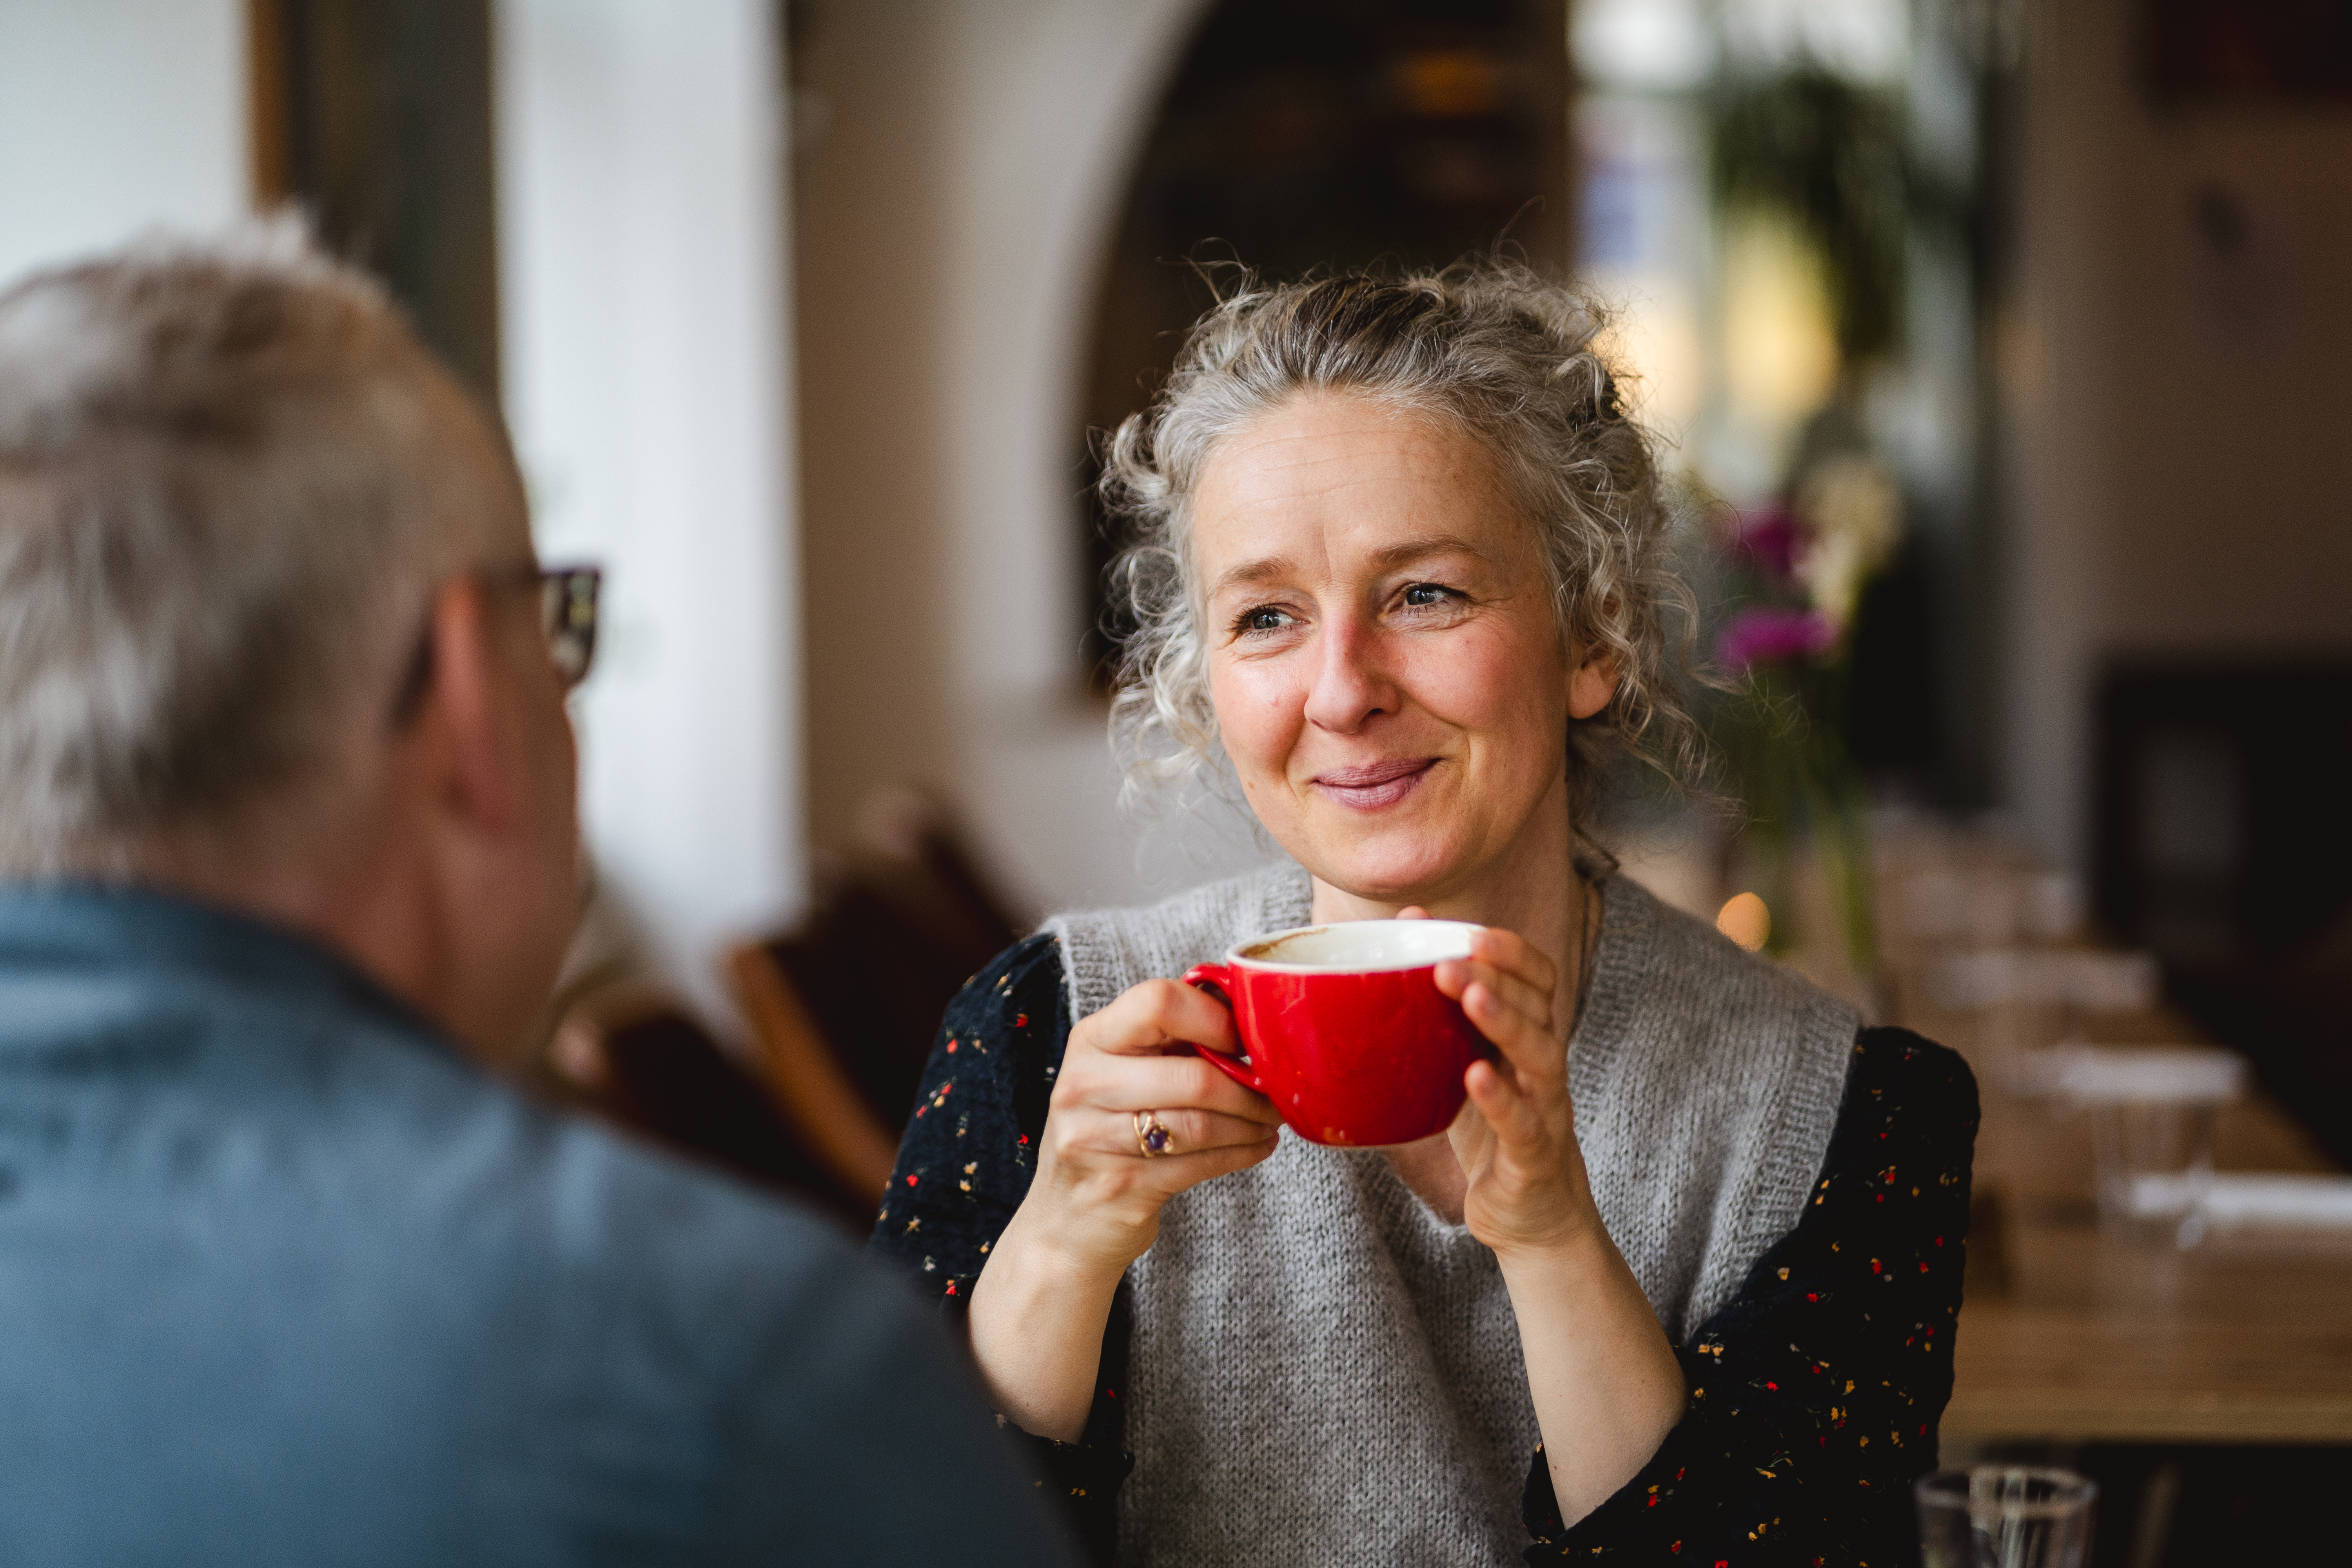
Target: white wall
(117, 117)
(2180, 426)
(962, 165)
(642, 210)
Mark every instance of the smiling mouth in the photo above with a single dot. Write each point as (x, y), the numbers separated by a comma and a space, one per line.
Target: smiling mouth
(1376, 785)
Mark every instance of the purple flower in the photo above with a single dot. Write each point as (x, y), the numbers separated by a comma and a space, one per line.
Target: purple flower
(1763, 634)
(1767, 540)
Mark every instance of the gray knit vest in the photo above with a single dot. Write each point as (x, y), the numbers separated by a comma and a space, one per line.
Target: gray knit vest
(1322, 1370)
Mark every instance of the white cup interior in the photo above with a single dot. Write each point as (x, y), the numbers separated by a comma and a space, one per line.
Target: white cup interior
(1360, 945)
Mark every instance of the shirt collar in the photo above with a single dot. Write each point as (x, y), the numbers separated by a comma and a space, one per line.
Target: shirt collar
(90, 926)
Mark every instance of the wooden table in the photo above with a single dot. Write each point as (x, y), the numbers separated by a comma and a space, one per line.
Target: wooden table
(2093, 1337)
(2101, 1341)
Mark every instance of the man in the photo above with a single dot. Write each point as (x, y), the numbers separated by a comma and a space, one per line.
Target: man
(287, 836)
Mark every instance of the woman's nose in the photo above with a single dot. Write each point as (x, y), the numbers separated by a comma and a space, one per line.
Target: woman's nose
(1351, 681)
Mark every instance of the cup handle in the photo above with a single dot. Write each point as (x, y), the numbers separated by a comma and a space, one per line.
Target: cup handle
(1216, 979)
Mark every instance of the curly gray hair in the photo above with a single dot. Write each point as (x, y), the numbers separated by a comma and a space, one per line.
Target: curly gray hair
(1511, 359)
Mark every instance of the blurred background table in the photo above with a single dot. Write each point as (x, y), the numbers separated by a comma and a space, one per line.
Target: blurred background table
(2070, 1334)
(2095, 1342)
(2207, 1391)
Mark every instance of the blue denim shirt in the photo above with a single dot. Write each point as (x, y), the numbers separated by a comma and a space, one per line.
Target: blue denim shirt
(283, 1279)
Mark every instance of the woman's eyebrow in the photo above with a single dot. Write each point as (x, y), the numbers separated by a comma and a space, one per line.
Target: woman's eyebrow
(1411, 550)
(1271, 568)
(1265, 568)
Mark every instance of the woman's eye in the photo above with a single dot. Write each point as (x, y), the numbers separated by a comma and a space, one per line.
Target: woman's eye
(1264, 619)
(1422, 596)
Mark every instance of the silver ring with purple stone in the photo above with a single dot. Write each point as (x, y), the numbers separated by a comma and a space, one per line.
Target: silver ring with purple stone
(1151, 1135)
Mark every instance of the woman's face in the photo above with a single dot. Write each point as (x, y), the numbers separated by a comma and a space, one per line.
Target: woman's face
(1389, 675)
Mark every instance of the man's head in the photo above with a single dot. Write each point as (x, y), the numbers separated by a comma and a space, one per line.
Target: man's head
(268, 627)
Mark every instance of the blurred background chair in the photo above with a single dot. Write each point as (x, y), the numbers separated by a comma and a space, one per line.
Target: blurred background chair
(845, 1005)
(841, 1010)
(636, 1057)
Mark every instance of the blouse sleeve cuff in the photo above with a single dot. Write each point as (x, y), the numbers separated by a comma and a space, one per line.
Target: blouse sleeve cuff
(1090, 1465)
(1080, 1469)
(1085, 1477)
(1632, 1513)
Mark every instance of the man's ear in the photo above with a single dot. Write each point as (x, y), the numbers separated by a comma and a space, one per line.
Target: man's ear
(461, 720)
(1593, 685)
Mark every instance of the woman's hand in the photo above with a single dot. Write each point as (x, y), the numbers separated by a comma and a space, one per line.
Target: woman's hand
(1039, 1305)
(1516, 1138)
(1101, 1194)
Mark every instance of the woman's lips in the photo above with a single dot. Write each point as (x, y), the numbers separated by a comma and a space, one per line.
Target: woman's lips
(1376, 785)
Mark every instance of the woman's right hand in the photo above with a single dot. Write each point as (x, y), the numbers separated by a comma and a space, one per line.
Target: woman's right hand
(1039, 1305)
(1102, 1193)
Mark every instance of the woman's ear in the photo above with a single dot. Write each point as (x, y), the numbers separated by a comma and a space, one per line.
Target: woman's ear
(1593, 685)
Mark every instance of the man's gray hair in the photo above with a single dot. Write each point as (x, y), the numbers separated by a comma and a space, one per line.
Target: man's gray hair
(1512, 360)
(230, 477)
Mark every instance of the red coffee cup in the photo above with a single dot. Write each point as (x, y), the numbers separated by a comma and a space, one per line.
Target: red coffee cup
(1346, 1030)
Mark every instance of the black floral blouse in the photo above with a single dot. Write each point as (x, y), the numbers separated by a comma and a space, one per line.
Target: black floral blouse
(1814, 1395)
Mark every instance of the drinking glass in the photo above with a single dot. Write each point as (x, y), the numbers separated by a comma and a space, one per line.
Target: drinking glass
(2152, 1124)
(2005, 1516)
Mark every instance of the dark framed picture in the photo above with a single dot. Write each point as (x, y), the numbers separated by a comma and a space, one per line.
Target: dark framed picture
(2198, 52)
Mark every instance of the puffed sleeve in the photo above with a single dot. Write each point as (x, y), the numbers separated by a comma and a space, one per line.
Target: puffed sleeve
(964, 1166)
(1814, 1395)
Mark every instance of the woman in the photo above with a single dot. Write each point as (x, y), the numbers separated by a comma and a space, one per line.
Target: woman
(1681, 1278)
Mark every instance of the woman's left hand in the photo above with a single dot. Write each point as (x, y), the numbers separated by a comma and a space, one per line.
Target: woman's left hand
(1516, 1138)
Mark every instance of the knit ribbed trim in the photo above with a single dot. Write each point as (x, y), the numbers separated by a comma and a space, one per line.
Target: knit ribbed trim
(1663, 982)
(1105, 951)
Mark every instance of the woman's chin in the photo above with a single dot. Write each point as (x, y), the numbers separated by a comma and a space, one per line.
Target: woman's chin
(1385, 873)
